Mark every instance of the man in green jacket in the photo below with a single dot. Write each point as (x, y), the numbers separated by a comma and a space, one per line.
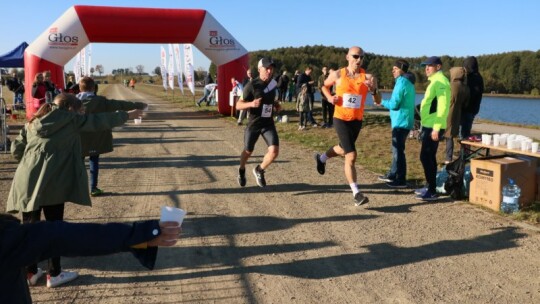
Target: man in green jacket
(99, 142)
(433, 115)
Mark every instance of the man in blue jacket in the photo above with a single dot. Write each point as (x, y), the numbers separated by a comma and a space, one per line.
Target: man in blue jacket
(401, 106)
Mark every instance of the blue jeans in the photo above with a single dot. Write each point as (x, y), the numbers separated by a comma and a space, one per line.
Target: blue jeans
(94, 171)
(428, 157)
(398, 169)
(17, 98)
(205, 97)
(466, 124)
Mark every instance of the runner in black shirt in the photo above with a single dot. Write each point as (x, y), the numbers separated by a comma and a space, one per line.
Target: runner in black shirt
(258, 97)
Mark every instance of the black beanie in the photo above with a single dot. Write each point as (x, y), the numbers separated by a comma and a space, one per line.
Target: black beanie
(402, 64)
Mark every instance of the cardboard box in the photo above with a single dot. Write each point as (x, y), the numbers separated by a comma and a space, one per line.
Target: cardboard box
(490, 174)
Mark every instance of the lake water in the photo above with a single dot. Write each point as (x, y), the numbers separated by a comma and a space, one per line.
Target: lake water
(511, 110)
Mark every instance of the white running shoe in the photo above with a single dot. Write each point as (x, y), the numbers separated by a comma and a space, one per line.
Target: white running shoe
(62, 278)
(34, 277)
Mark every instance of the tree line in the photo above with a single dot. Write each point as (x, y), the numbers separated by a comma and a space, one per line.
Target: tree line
(506, 73)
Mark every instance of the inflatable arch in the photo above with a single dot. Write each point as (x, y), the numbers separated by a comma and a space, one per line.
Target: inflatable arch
(81, 25)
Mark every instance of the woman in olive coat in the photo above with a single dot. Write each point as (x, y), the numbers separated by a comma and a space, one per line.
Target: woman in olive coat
(51, 171)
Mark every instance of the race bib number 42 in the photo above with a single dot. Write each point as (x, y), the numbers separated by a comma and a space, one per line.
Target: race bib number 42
(267, 110)
(351, 101)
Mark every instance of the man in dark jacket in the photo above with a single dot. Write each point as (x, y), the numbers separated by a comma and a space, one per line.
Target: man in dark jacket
(95, 143)
(29, 243)
(17, 87)
(283, 86)
(475, 82)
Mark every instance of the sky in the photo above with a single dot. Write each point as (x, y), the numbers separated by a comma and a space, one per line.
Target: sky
(384, 27)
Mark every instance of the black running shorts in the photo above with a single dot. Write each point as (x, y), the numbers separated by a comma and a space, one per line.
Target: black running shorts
(251, 135)
(347, 132)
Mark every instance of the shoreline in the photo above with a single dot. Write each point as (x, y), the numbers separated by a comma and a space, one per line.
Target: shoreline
(516, 96)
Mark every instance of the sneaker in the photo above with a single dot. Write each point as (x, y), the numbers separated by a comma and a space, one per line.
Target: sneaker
(385, 178)
(259, 176)
(242, 177)
(32, 278)
(62, 278)
(321, 167)
(397, 185)
(360, 199)
(420, 191)
(198, 104)
(239, 123)
(427, 196)
(96, 192)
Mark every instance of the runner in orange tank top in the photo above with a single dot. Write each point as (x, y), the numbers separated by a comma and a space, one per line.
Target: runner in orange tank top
(352, 86)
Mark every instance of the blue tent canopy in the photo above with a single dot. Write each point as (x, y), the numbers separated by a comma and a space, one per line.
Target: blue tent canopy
(14, 58)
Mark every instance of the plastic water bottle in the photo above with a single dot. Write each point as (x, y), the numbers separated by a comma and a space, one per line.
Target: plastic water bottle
(511, 193)
(467, 177)
(441, 178)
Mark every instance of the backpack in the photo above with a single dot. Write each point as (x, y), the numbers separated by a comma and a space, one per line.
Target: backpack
(303, 102)
(454, 185)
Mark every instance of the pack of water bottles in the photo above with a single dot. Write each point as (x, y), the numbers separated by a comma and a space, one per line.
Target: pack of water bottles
(503, 183)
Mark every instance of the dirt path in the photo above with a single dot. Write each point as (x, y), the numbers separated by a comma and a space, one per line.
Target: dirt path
(299, 240)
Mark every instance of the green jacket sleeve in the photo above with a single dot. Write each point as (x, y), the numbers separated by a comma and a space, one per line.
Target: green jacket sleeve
(100, 121)
(443, 104)
(99, 104)
(122, 105)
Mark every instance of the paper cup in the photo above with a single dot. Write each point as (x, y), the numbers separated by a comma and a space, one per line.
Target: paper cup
(502, 140)
(172, 214)
(524, 145)
(534, 147)
(486, 139)
(496, 140)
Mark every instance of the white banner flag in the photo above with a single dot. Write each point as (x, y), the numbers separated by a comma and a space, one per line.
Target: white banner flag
(77, 67)
(170, 68)
(89, 64)
(83, 62)
(164, 67)
(178, 66)
(188, 68)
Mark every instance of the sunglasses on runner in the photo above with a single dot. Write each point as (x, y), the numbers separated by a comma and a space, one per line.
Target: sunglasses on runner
(356, 56)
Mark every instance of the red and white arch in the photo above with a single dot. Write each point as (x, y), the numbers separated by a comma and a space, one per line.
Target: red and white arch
(81, 25)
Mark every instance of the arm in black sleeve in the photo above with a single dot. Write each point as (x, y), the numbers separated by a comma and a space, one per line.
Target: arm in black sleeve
(30, 243)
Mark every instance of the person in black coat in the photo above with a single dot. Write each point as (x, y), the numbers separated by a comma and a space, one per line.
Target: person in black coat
(24, 244)
(475, 82)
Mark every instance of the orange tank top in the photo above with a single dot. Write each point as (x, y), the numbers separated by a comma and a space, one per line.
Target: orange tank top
(352, 96)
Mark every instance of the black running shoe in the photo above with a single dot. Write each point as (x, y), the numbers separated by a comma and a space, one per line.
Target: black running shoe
(360, 199)
(321, 167)
(385, 178)
(397, 185)
(241, 177)
(259, 176)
